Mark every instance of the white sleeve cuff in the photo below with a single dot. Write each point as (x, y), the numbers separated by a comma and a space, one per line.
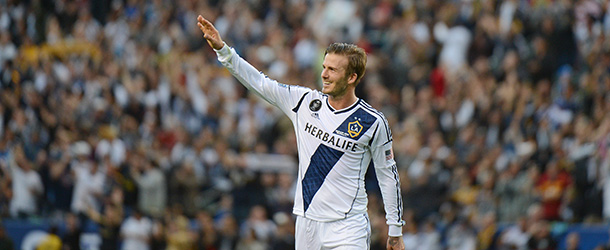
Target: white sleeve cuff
(224, 53)
(395, 231)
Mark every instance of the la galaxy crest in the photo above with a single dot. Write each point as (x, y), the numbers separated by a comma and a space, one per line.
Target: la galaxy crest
(354, 128)
(356, 124)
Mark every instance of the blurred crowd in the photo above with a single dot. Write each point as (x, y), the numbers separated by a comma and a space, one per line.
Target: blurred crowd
(116, 112)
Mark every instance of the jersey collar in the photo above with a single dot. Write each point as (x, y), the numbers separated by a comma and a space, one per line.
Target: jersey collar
(342, 110)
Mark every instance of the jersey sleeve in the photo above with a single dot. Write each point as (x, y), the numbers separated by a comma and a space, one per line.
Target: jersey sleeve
(387, 176)
(280, 95)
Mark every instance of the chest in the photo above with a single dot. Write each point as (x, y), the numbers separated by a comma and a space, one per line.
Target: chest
(347, 130)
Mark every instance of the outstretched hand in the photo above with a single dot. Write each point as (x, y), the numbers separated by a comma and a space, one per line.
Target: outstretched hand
(210, 33)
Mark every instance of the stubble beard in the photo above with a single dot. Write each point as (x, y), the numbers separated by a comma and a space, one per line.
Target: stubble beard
(336, 89)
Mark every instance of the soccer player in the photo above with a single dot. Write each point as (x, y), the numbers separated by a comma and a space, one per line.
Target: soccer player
(338, 135)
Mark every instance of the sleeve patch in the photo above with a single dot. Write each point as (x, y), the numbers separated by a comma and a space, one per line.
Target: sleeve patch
(389, 154)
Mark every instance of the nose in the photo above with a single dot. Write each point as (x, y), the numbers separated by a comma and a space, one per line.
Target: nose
(324, 74)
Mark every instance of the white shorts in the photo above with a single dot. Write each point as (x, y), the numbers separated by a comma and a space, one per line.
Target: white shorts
(353, 232)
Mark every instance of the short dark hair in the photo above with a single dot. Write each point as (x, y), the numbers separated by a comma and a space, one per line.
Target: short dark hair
(356, 57)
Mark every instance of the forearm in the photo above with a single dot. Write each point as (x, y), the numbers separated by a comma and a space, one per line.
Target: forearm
(245, 73)
(392, 200)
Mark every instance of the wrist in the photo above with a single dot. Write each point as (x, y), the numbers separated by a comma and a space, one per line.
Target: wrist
(222, 47)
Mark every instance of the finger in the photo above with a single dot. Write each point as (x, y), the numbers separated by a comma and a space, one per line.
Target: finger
(207, 24)
(201, 20)
(205, 33)
(204, 29)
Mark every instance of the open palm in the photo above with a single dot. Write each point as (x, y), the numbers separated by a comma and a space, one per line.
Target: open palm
(210, 33)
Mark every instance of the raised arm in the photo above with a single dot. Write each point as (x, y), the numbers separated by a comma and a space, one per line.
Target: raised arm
(283, 96)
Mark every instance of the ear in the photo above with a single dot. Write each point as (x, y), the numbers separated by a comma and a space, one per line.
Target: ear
(352, 78)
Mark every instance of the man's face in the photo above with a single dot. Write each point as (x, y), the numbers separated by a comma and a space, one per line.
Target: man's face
(334, 75)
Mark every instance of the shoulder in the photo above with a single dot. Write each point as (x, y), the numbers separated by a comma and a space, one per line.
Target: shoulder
(297, 88)
(316, 94)
(374, 112)
(295, 91)
(382, 128)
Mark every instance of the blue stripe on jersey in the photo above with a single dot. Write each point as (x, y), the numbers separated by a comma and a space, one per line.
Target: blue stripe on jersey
(398, 197)
(373, 137)
(356, 124)
(328, 104)
(322, 161)
(296, 108)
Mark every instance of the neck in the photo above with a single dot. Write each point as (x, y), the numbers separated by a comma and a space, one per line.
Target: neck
(341, 102)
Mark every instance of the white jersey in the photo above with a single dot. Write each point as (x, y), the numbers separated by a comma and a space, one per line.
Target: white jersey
(335, 148)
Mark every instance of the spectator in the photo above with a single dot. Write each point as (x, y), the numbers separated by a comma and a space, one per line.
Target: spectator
(249, 241)
(152, 188)
(455, 39)
(185, 187)
(207, 237)
(59, 180)
(5, 172)
(283, 193)
(109, 223)
(541, 238)
(72, 235)
(487, 231)
(136, 232)
(411, 236)
(26, 186)
(89, 180)
(516, 236)
(514, 190)
(284, 235)
(51, 241)
(229, 235)
(552, 185)
(179, 236)
(461, 236)
(430, 237)
(6, 243)
(258, 226)
(572, 241)
(159, 236)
